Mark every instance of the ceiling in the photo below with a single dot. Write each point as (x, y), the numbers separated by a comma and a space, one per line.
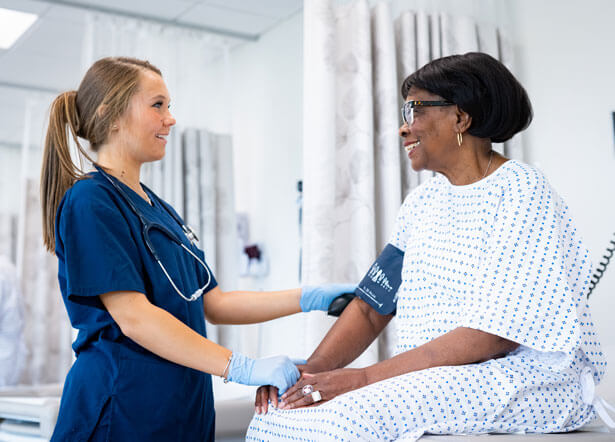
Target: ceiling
(47, 58)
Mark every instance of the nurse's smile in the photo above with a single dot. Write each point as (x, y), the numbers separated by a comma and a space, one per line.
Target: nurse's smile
(162, 138)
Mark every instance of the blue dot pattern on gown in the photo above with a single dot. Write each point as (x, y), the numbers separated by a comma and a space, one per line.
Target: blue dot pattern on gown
(501, 255)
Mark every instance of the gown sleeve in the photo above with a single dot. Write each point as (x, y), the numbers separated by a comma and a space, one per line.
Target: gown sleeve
(533, 273)
(100, 251)
(399, 237)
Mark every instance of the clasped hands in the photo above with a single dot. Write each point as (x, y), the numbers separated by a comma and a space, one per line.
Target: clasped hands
(328, 383)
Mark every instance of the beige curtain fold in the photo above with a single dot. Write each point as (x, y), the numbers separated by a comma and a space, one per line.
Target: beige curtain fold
(47, 330)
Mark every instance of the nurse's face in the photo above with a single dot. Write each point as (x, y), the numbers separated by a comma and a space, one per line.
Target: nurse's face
(147, 122)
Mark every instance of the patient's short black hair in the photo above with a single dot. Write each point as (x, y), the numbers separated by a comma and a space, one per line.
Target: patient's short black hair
(481, 86)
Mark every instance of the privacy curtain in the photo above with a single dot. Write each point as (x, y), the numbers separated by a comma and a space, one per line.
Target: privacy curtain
(196, 177)
(355, 170)
(46, 330)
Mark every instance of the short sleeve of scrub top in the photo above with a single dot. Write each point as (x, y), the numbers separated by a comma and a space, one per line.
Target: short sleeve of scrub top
(97, 253)
(100, 252)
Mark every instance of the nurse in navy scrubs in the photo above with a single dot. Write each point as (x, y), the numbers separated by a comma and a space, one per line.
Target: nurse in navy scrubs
(134, 283)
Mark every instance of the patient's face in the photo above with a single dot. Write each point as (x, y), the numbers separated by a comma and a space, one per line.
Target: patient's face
(431, 134)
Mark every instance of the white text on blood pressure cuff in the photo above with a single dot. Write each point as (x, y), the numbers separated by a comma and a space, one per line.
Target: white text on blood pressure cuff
(379, 286)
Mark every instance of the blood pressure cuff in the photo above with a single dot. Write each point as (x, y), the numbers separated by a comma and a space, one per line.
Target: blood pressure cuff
(379, 286)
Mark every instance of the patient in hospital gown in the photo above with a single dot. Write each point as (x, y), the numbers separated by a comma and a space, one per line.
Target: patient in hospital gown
(495, 258)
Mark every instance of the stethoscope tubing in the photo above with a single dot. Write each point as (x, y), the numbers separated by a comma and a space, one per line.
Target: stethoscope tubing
(146, 226)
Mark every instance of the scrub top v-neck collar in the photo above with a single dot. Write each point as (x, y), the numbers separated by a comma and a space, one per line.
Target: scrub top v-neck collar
(134, 196)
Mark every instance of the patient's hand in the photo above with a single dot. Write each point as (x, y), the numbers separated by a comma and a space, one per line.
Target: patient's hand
(329, 383)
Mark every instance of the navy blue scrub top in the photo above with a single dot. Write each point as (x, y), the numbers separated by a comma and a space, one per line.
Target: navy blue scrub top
(117, 390)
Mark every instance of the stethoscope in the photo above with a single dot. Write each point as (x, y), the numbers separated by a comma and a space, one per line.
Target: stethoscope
(148, 225)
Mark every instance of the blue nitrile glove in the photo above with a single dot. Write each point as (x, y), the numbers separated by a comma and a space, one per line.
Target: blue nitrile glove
(319, 297)
(278, 371)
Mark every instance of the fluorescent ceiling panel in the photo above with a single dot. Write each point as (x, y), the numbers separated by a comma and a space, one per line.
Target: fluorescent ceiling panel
(12, 26)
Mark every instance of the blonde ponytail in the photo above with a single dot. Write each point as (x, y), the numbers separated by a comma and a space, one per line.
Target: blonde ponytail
(58, 170)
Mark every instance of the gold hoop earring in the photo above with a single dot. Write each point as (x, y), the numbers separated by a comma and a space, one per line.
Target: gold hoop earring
(459, 138)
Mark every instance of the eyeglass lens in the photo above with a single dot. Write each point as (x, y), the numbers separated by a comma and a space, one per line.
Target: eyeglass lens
(407, 113)
(407, 110)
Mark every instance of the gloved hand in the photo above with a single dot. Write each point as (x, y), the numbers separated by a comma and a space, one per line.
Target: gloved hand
(319, 297)
(278, 371)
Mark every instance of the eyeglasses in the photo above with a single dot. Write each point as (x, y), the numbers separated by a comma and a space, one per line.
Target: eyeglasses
(407, 110)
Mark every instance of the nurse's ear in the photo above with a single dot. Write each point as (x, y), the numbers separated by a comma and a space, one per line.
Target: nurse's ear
(103, 117)
(102, 112)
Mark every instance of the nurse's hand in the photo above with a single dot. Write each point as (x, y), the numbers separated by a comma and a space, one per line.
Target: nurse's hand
(268, 393)
(320, 297)
(278, 371)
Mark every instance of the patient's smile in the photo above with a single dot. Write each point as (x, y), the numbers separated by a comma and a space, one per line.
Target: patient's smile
(410, 146)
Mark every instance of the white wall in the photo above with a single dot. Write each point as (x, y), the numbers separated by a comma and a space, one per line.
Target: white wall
(265, 108)
(266, 124)
(565, 54)
(267, 114)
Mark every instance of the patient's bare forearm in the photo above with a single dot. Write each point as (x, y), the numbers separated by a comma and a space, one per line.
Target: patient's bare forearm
(458, 347)
(351, 334)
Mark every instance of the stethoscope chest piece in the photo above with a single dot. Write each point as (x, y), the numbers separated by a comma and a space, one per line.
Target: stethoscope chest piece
(190, 234)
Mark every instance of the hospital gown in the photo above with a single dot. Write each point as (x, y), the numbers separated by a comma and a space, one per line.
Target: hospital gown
(500, 255)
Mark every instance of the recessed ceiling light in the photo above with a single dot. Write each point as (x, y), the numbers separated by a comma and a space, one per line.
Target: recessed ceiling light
(12, 25)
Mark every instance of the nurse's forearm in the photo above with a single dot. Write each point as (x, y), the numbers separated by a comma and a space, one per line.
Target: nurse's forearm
(242, 307)
(164, 335)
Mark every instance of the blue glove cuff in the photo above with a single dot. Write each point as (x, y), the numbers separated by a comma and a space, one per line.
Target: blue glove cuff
(306, 302)
(240, 368)
(314, 297)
